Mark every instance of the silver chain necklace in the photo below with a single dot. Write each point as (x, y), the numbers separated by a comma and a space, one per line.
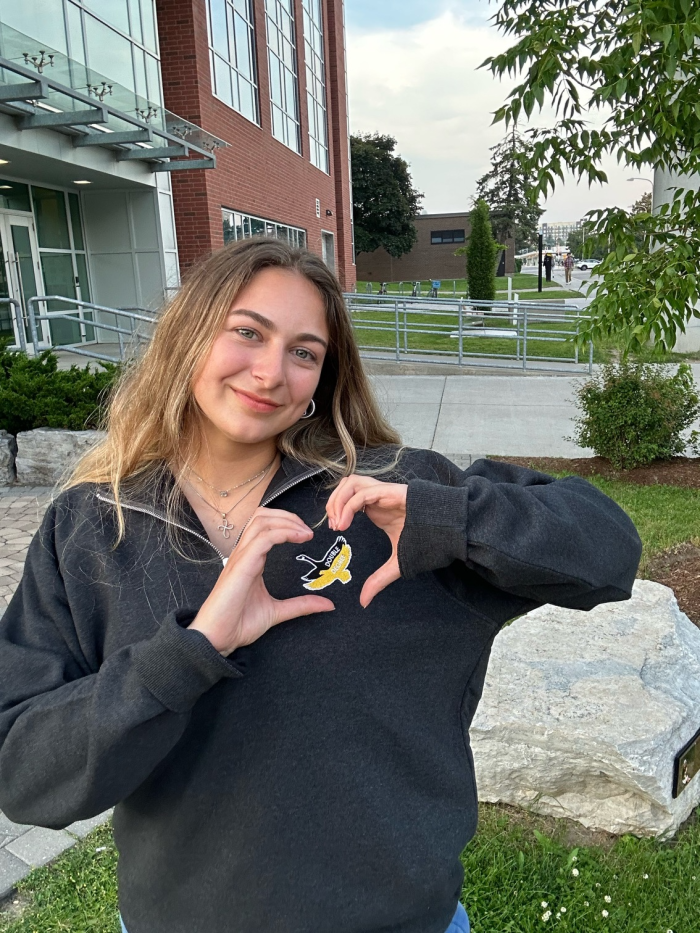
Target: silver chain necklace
(224, 492)
(226, 527)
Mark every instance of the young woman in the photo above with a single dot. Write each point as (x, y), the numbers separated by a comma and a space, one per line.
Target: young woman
(260, 628)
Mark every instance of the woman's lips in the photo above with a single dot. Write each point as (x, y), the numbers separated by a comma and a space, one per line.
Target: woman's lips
(255, 402)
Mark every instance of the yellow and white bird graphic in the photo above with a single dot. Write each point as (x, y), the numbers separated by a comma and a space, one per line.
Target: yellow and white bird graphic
(333, 566)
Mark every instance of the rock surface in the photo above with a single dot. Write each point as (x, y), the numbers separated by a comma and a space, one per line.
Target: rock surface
(8, 450)
(46, 454)
(583, 714)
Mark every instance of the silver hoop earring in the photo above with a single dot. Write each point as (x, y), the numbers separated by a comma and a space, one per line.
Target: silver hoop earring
(307, 413)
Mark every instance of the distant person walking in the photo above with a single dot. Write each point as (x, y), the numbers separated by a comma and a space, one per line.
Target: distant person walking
(568, 267)
(548, 263)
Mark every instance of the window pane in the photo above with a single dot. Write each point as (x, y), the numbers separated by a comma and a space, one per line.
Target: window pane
(257, 227)
(14, 196)
(148, 18)
(223, 80)
(83, 276)
(51, 219)
(242, 50)
(153, 75)
(74, 203)
(219, 27)
(38, 19)
(135, 20)
(109, 53)
(140, 73)
(75, 34)
(112, 11)
(60, 280)
(229, 228)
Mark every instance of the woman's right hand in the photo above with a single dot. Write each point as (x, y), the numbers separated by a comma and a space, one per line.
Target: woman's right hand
(239, 609)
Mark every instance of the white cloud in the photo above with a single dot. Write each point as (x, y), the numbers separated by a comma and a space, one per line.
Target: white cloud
(422, 85)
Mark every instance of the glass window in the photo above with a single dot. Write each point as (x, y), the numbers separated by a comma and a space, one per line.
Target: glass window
(41, 21)
(232, 49)
(14, 196)
(135, 20)
(316, 83)
(284, 88)
(148, 19)
(51, 218)
(109, 53)
(153, 74)
(83, 276)
(76, 225)
(111, 11)
(446, 236)
(242, 226)
(75, 33)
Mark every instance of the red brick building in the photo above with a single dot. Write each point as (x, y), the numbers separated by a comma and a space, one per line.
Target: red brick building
(268, 77)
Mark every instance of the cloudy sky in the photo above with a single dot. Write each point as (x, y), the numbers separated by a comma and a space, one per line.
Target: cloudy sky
(412, 67)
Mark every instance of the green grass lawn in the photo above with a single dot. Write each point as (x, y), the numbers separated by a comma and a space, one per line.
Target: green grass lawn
(441, 326)
(514, 864)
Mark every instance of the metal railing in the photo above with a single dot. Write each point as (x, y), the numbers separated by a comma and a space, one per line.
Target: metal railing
(128, 332)
(520, 334)
(17, 322)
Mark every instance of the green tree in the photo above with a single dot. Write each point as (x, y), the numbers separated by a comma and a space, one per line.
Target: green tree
(507, 189)
(584, 245)
(481, 252)
(636, 63)
(385, 202)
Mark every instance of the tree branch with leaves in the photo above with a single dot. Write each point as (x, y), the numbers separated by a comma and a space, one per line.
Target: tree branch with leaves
(637, 64)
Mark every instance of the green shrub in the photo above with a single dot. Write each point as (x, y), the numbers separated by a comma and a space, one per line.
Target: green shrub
(34, 393)
(634, 413)
(481, 253)
(518, 266)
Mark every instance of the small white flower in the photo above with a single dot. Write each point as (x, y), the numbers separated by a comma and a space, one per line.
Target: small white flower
(545, 904)
(607, 898)
(575, 872)
(546, 915)
(645, 877)
(101, 849)
(669, 931)
(693, 877)
(574, 858)
(586, 904)
(604, 913)
(562, 910)
(597, 884)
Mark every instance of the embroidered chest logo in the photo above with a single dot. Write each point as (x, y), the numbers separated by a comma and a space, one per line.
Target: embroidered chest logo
(333, 566)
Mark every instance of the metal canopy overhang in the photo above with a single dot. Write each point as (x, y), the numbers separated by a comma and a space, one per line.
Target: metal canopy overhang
(23, 101)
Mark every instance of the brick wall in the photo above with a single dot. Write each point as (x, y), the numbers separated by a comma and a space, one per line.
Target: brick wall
(257, 174)
(425, 261)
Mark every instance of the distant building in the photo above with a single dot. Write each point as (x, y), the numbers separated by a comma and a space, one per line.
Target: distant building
(432, 257)
(557, 234)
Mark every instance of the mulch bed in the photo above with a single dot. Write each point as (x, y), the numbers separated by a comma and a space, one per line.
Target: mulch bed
(681, 471)
(677, 568)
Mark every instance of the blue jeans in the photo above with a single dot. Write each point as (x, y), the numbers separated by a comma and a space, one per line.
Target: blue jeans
(460, 922)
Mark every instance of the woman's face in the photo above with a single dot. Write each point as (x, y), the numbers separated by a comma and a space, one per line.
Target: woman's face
(265, 364)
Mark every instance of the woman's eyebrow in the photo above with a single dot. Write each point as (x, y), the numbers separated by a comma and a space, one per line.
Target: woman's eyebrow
(271, 326)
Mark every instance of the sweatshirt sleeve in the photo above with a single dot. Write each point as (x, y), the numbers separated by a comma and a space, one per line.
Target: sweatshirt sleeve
(74, 742)
(550, 541)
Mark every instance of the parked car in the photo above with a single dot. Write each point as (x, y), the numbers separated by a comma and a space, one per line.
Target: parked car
(585, 264)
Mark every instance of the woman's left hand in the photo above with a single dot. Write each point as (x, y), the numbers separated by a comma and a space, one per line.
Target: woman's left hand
(385, 505)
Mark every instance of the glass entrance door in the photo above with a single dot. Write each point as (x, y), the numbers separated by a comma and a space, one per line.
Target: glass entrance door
(20, 272)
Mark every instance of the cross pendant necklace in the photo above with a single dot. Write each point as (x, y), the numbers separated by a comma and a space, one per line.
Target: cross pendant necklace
(226, 528)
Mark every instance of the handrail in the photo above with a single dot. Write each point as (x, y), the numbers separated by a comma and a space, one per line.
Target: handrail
(81, 306)
(18, 321)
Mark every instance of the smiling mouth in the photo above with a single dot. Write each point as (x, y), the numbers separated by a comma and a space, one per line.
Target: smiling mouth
(256, 402)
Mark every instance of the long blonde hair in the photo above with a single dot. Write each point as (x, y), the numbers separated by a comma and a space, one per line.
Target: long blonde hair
(152, 417)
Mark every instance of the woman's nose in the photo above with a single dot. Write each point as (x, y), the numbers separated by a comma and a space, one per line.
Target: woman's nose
(268, 366)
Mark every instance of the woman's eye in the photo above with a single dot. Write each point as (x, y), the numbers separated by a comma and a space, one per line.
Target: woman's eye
(305, 355)
(246, 332)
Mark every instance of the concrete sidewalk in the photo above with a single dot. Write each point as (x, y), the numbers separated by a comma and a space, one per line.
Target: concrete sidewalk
(486, 415)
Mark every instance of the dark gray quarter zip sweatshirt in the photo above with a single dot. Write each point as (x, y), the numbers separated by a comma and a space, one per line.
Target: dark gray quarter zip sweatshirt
(319, 780)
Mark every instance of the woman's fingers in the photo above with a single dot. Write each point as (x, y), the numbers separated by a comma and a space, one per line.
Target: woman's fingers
(380, 579)
(343, 502)
(286, 609)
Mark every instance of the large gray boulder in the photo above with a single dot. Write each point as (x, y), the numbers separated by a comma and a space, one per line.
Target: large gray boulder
(46, 454)
(8, 449)
(583, 714)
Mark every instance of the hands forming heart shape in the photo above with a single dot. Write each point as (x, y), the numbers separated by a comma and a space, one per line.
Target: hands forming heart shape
(239, 609)
(385, 506)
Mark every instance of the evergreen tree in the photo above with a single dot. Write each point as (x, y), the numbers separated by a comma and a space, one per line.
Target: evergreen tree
(507, 189)
(481, 252)
(384, 199)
